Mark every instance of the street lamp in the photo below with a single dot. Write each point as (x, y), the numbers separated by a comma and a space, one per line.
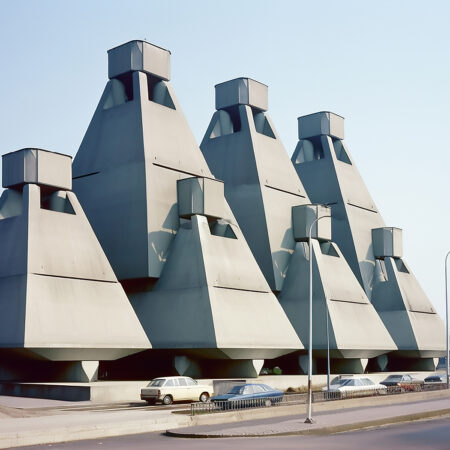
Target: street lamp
(309, 417)
(446, 320)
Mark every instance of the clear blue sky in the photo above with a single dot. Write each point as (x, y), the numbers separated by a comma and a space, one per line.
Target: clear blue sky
(383, 65)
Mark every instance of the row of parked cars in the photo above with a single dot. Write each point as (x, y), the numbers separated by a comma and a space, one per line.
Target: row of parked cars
(169, 389)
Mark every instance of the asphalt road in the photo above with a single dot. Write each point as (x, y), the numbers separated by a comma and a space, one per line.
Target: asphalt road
(430, 434)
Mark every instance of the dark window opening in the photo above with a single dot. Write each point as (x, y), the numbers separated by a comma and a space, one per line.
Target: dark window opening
(235, 117)
(222, 228)
(309, 150)
(401, 266)
(327, 248)
(57, 202)
(223, 125)
(158, 92)
(262, 124)
(340, 152)
(127, 81)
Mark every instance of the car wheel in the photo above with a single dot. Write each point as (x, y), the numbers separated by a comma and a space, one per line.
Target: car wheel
(268, 402)
(167, 400)
(204, 397)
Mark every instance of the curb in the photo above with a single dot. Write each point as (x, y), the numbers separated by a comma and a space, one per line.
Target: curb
(321, 431)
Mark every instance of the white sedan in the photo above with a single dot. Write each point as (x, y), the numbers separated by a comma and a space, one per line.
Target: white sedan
(171, 389)
(354, 384)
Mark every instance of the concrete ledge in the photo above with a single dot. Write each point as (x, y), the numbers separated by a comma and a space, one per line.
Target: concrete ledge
(97, 392)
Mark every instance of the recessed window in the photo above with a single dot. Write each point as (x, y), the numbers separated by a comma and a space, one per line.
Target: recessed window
(327, 248)
(223, 124)
(340, 152)
(401, 266)
(117, 94)
(57, 202)
(309, 150)
(222, 228)
(262, 124)
(158, 92)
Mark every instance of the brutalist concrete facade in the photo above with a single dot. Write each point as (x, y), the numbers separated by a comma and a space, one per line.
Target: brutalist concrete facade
(209, 246)
(373, 251)
(267, 197)
(167, 229)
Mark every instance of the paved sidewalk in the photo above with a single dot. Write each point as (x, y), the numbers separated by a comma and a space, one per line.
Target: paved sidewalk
(324, 422)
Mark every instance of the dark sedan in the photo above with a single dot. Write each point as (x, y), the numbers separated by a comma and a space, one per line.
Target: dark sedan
(248, 395)
(395, 380)
(438, 378)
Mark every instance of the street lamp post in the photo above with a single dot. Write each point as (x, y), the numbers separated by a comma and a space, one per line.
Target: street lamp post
(447, 362)
(309, 416)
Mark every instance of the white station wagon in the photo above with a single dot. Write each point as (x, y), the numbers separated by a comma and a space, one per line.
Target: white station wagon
(172, 389)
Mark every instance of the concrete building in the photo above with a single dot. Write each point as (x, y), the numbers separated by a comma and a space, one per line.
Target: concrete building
(373, 251)
(179, 253)
(167, 258)
(60, 301)
(269, 201)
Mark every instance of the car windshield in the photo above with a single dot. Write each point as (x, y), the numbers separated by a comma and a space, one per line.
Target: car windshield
(394, 378)
(347, 382)
(157, 382)
(266, 388)
(236, 390)
(339, 382)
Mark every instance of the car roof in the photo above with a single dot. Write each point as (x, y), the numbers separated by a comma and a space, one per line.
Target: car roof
(169, 378)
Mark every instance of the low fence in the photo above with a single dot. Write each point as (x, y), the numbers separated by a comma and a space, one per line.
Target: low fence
(299, 399)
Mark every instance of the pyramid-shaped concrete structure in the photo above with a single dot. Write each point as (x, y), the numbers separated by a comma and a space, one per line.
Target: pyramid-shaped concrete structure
(137, 147)
(56, 284)
(330, 176)
(242, 148)
(356, 332)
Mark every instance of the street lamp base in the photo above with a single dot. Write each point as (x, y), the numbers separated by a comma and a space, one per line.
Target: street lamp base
(309, 420)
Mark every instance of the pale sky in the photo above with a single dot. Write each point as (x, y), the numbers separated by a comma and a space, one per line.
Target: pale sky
(383, 65)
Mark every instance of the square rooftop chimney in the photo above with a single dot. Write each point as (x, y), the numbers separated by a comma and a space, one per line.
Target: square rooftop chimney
(139, 56)
(37, 166)
(242, 91)
(203, 196)
(303, 217)
(324, 122)
(387, 242)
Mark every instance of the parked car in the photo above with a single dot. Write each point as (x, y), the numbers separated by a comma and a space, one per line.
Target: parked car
(436, 378)
(245, 395)
(353, 384)
(171, 389)
(395, 380)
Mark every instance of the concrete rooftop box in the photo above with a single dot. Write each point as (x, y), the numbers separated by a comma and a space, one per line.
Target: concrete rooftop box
(387, 242)
(324, 122)
(139, 56)
(302, 218)
(198, 195)
(242, 91)
(37, 166)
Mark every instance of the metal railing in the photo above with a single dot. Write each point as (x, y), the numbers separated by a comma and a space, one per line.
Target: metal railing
(299, 399)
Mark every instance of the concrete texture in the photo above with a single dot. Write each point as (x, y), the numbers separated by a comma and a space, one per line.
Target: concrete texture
(167, 230)
(329, 174)
(59, 298)
(243, 149)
